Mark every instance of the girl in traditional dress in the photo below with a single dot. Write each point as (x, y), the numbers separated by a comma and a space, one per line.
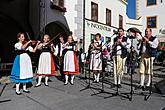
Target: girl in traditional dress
(70, 61)
(95, 57)
(22, 66)
(46, 65)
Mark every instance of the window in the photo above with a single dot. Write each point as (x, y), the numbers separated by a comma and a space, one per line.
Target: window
(59, 3)
(108, 17)
(94, 11)
(92, 37)
(151, 2)
(120, 21)
(152, 22)
(107, 39)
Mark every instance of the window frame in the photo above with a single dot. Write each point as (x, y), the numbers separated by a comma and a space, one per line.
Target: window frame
(147, 22)
(148, 5)
(92, 13)
(120, 25)
(109, 23)
(58, 3)
(92, 37)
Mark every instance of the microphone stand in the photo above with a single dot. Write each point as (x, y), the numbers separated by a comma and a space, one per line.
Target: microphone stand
(4, 86)
(103, 75)
(132, 70)
(117, 86)
(89, 77)
(89, 74)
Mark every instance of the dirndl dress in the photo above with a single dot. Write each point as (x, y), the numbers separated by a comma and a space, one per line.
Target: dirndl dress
(70, 61)
(22, 67)
(95, 58)
(46, 66)
(96, 61)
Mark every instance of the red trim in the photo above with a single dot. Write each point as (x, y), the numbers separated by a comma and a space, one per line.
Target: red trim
(45, 75)
(76, 67)
(76, 63)
(67, 72)
(53, 69)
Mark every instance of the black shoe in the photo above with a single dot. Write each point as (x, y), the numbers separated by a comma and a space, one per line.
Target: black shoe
(26, 91)
(65, 83)
(143, 88)
(71, 83)
(46, 84)
(147, 88)
(119, 86)
(114, 85)
(18, 93)
(37, 85)
(97, 81)
(139, 87)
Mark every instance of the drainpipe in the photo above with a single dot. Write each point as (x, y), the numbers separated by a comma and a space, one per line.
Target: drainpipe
(83, 25)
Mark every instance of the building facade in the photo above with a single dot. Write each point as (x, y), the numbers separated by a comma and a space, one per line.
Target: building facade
(52, 18)
(84, 18)
(151, 12)
(88, 17)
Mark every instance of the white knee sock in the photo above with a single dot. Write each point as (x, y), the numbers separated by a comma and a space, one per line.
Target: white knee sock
(39, 80)
(95, 77)
(72, 78)
(115, 79)
(17, 87)
(149, 80)
(119, 79)
(98, 76)
(142, 78)
(66, 79)
(46, 80)
(24, 87)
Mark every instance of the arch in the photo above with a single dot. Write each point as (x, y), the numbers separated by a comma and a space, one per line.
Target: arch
(54, 28)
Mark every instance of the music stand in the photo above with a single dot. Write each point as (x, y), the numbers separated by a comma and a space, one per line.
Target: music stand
(3, 88)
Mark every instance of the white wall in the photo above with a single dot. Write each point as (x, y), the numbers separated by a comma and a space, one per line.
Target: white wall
(134, 23)
(74, 16)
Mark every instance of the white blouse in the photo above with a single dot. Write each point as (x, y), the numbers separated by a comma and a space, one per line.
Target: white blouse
(18, 46)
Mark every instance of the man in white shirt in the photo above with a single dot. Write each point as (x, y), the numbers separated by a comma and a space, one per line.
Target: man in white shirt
(148, 49)
(121, 45)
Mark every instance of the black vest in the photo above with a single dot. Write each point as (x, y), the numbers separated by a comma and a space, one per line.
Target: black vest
(150, 51)
(59, 49)
(123, 49)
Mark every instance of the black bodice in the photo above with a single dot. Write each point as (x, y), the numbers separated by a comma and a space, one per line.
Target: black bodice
(46, 48)
(18, 52)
